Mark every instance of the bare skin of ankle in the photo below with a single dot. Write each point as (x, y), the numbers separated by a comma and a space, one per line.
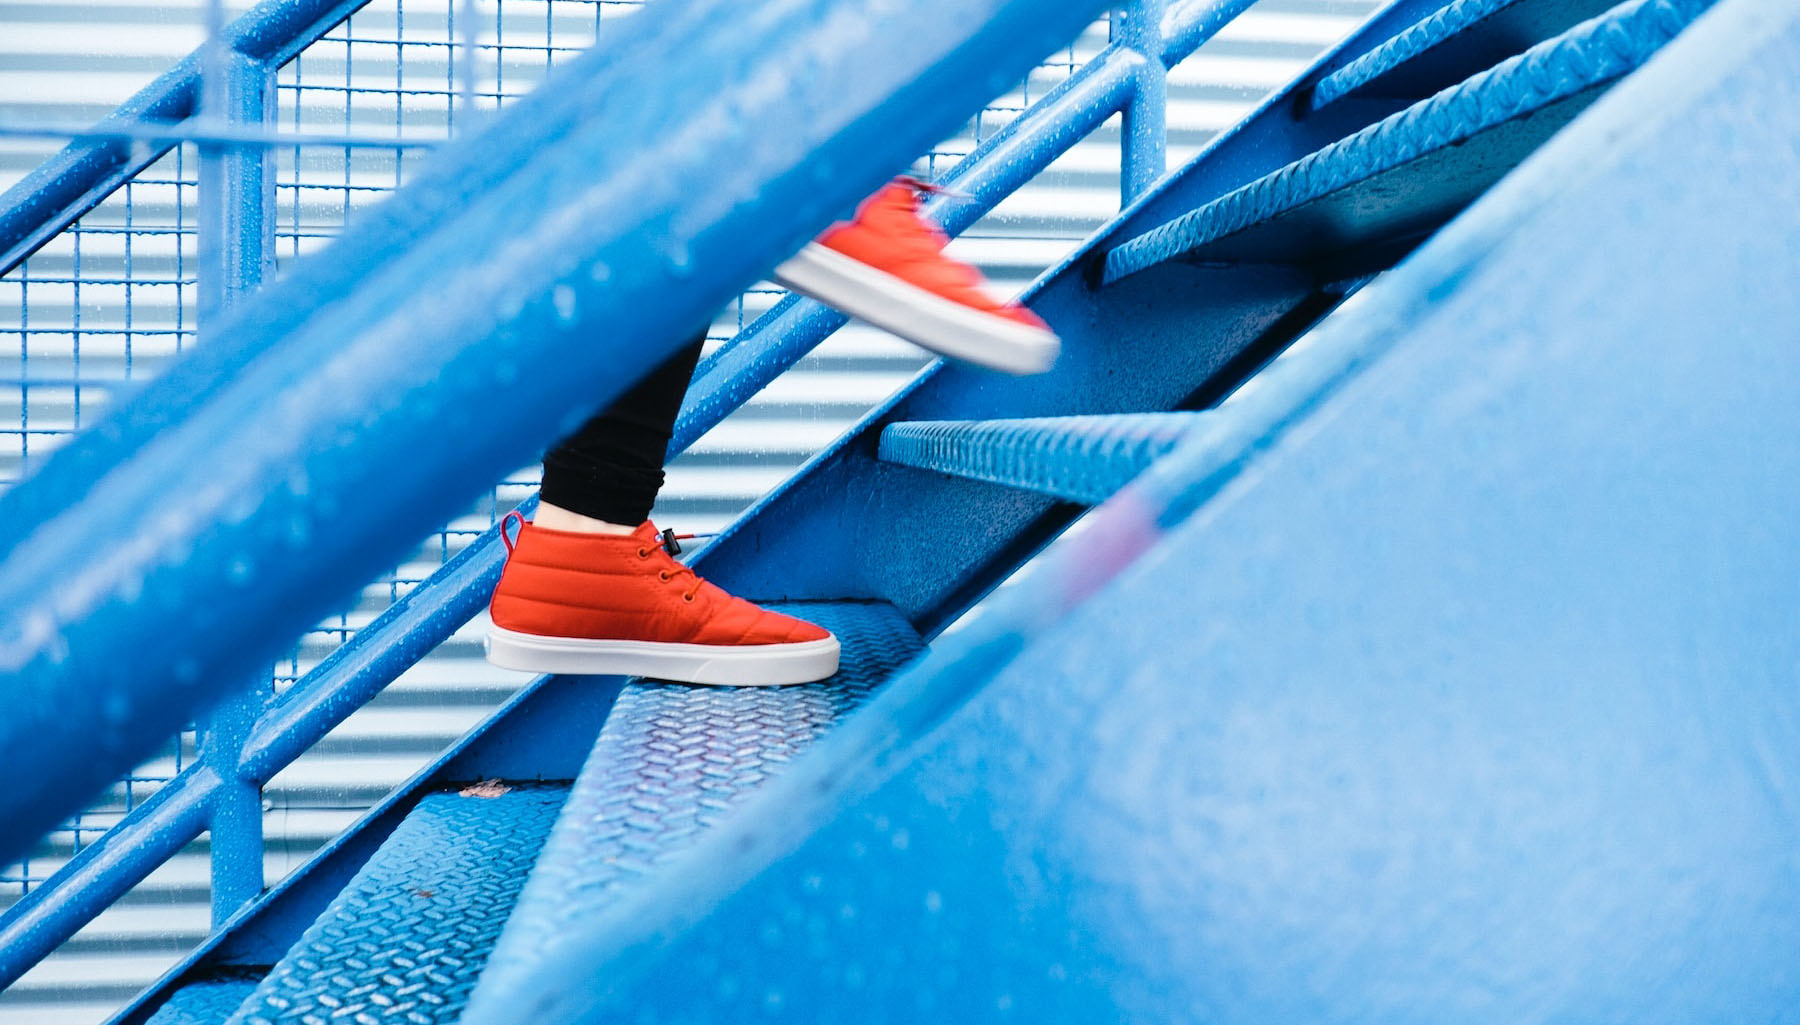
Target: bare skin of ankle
(552, 517)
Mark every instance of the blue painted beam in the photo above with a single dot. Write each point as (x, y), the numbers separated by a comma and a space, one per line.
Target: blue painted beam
(586, 229)
(1143, 155)
(1074, 458)
(236, 244)
(1405, 175)
(1454, 42)
(1475, 699)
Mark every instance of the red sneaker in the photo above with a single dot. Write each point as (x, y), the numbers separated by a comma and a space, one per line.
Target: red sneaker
(620, 604)
(888, 267)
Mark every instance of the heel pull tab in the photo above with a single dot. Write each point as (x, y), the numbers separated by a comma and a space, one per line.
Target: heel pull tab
(506, 538)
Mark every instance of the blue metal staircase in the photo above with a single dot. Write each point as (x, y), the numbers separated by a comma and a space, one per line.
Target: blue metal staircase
(1356, 699)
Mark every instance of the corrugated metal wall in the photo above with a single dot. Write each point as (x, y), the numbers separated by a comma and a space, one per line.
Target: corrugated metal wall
(112, 303)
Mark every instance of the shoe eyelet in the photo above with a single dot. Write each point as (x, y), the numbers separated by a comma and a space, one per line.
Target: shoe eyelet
(688, 598)
(643, 553)
(663, 575)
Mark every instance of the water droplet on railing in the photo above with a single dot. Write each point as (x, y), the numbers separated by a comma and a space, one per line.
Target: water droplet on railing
(563, 297)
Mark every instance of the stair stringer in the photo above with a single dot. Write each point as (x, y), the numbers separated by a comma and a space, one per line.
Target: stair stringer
(1462, 691)
(848, 526)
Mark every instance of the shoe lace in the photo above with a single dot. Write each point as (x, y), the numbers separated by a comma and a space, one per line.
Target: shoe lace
(919, 241)
(671, 547)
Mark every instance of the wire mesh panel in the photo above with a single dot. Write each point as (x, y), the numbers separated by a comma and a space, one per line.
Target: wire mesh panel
(103, 304)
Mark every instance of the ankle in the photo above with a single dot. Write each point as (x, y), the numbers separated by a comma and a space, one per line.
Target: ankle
(551, 517)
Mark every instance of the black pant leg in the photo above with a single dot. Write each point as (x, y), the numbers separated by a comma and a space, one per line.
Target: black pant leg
(612, 467)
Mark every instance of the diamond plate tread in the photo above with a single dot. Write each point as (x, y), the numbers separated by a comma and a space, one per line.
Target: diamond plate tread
(407, 937)
(1076, 458)
(672, 761)
(206, 1002)
(1593, 53)
(1452, 34)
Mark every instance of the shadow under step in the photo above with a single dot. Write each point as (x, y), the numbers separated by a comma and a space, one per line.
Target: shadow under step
(1075, 458)
(671, 762)
(1400, 178)
(208, 1001)
(1456, 41)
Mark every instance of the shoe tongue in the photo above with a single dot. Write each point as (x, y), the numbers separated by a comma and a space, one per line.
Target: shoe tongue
(647, 531)
(900, 217)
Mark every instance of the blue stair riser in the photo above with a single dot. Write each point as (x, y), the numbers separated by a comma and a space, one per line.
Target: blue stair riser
(1076, 459)
(1408, 173)
(1455, 42)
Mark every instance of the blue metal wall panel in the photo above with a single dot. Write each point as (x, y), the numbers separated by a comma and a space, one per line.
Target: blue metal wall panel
(1469, 698)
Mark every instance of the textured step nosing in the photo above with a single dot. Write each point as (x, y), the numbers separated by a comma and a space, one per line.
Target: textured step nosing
(1082, 459)
(1447, 21)
(1594, 52)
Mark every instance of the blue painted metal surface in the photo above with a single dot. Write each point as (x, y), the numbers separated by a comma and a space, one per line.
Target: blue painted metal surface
(1075, 458)
(1490, 713)
(1462, 38)
(669, 765)
(407, 938)
(355, 370)
(206, 1003)
(1510, 106)
(1144, 147)
(427, 614)
(106, 870)
(236, 250)
(540, 735)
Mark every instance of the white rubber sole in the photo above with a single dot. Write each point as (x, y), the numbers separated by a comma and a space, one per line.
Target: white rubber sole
(917, 315)
(744, 665)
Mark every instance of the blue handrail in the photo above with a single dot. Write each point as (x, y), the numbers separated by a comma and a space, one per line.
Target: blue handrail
(1109, 84)
(349, 382)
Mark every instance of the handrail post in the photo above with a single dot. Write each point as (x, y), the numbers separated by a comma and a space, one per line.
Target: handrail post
(236, 249)
(1143, 151)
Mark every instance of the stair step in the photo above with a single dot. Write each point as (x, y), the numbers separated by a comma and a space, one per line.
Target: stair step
(1400, 178)
(1076, 458)
(206, 1002)
(1458, 40)
(674, 760)
(407, 937)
